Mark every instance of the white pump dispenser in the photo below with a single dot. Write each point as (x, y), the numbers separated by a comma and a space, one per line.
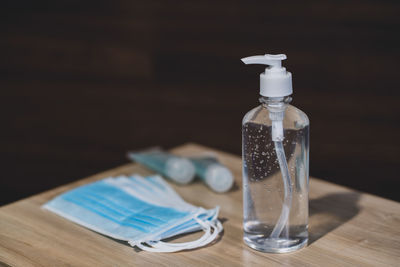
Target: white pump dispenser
(275, 81)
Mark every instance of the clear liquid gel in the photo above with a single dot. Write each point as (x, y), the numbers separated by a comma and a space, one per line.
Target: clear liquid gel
(275, 197)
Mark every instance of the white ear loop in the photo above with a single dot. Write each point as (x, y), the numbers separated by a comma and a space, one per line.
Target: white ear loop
(205, 239)
(159, 246)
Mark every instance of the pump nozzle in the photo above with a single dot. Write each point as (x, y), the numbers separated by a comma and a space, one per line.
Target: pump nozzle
(275, 81)
(267, 59)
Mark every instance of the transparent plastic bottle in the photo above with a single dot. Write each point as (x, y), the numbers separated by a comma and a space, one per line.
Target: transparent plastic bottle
(267, 195)
(178, 169)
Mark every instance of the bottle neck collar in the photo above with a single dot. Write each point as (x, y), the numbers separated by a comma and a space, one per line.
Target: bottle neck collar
(275, 101)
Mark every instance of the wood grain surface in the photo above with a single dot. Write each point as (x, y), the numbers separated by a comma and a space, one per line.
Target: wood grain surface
(347, 228)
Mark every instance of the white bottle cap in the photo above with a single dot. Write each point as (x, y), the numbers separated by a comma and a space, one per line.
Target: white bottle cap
(275, 81)
(180, 170)
(219, 178)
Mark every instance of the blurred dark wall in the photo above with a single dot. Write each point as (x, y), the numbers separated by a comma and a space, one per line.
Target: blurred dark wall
(82, 82)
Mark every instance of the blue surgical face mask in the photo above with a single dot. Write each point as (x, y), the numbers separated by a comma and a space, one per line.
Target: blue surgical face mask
(139, 210)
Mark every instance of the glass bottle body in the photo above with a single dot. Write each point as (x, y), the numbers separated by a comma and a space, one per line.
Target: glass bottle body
(264, 190)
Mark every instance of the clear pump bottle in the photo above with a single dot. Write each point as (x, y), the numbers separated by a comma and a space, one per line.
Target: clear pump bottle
(275, 164)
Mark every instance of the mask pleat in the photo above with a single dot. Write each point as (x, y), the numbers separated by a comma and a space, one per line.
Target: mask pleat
(118, 206)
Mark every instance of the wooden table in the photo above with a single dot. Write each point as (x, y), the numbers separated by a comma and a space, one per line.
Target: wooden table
(347, 228)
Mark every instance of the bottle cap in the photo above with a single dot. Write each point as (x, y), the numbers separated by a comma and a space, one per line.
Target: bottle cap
(275, 81)
(219, 178)
(180, 170)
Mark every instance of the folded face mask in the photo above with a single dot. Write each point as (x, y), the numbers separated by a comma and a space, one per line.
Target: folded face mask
(142, 211)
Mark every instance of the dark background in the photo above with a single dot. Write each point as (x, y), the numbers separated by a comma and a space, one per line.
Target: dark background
(84, 81)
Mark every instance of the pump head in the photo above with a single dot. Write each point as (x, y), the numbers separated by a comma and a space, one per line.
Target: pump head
(275, 81)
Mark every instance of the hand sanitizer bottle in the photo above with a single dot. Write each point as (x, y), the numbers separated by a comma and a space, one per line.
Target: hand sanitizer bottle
(275, 164)
(178, 169)
(218, 177)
